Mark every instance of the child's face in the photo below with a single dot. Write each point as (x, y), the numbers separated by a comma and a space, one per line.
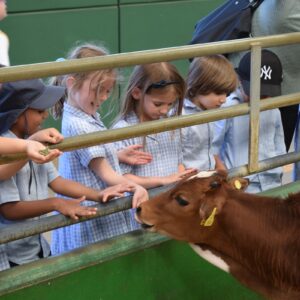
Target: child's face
(3, 12)
(92, 94)
(29, 122)
(209, 101)
(156, 105)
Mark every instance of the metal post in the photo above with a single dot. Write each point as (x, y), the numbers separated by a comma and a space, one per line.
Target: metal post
(254, 107)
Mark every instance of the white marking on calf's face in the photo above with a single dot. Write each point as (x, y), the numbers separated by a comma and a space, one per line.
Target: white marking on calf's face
(203, 174)
(211, 258)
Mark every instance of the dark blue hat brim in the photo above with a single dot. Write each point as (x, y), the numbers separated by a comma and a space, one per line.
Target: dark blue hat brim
(48, 98)
(269, 90)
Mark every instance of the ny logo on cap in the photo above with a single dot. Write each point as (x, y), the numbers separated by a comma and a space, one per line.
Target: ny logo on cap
(267, 71)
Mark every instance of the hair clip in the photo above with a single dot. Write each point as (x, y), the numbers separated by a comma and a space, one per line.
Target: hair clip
(161, 84)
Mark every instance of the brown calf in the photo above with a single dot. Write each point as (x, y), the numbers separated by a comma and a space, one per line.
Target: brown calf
(255, 238)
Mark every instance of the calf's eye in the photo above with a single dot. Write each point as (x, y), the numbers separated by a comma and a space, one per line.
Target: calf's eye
(214, 184)
(181, 201)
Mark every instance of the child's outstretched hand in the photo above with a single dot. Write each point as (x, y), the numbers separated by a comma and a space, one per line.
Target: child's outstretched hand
(140, 195)
(178, 176)
(37, 151)
(72, 208)
(49, 135)
(115, 191)
(131, 155)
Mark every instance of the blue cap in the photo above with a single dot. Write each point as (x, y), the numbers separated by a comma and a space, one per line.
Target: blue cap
(18, 96)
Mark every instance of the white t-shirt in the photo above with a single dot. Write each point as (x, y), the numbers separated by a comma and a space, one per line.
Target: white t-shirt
(4, 46)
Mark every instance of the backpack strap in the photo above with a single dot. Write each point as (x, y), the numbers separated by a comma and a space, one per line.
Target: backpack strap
(254, 4)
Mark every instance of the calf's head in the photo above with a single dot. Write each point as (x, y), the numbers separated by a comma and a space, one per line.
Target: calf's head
(190, 209)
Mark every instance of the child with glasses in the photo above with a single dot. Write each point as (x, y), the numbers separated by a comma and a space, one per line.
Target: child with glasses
(210, 80)
(152, 91)
(96, 166)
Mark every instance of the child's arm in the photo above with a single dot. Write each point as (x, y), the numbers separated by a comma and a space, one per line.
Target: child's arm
(219, 164)
(155, 181)
(75, 189)
(32, 147)
(20, 210)
(104, 170)
(49, 135)
(132, 156)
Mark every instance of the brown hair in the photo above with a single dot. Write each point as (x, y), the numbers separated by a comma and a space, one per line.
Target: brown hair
(82, 51)
(148, 77)
(211, 74)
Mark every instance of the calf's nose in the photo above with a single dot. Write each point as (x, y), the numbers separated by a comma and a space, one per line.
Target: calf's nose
(138, 209)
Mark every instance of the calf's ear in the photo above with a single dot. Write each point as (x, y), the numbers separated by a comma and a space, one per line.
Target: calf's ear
(209, 208)
(238, 183)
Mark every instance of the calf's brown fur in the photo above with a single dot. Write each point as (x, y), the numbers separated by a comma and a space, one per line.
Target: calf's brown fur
(257, 237)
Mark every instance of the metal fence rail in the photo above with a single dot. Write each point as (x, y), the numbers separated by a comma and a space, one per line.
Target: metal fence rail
(24, 229)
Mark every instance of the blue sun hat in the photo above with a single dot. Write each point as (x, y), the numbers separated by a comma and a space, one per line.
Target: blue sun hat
(18, 96)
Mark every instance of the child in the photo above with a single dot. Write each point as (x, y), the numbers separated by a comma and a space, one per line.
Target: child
(96, 166)
(232, 135)
(23, 107)
(153, 89)
(210, 80)
(4, 41)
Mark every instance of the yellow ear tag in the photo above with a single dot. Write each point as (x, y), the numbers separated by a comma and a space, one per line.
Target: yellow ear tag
(210, 220)
(237, 184)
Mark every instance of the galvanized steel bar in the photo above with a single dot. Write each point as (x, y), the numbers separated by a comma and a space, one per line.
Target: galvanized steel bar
(107, 136)
(24, 229)
(47, 69)
(267, 164)
(254, 107)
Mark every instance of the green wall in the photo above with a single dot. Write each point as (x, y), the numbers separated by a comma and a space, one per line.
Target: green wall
(41, 31)
(169, 271)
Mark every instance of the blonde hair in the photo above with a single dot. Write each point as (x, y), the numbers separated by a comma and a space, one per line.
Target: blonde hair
(82, 51)
(162, 76)
(211, 74)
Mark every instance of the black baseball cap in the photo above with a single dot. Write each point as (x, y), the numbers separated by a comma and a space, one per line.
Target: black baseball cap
(16, 97)
(270, 73)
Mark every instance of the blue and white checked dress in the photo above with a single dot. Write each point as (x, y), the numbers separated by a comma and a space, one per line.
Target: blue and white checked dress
(165, 148)
(74, 165)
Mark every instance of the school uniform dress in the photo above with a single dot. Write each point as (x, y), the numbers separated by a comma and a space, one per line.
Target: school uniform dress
(29, 183)
(197, 141)
(231, 140)
(74, 165)
(165, 148)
